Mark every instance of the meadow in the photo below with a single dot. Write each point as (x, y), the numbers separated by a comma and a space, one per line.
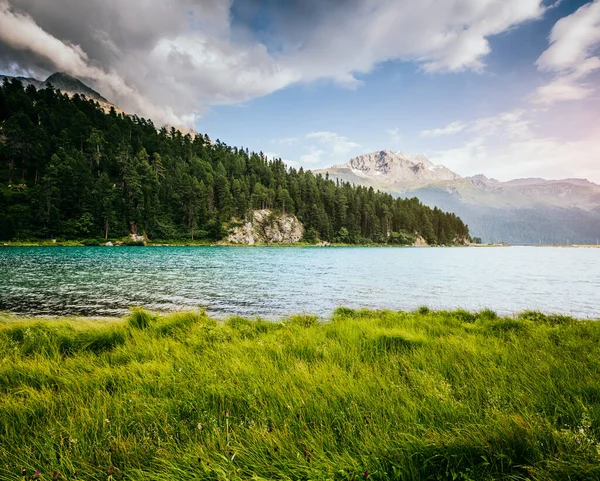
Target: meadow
(366, 395)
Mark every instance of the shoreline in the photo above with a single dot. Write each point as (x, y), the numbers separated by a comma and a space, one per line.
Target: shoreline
(205, 244)
(85, 243)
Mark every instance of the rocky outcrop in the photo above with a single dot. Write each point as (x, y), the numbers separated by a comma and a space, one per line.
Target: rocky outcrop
(266, 227)
(420, 242)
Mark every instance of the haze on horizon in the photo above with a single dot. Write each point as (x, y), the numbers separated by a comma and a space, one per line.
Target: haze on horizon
(509, 88)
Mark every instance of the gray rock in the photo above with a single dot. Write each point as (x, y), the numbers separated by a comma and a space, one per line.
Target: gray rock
(265, 227)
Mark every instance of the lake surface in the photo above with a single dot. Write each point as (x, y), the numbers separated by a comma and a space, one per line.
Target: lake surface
(273, 282)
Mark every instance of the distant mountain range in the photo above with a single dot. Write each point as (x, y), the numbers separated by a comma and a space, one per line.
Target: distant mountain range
(521, 211)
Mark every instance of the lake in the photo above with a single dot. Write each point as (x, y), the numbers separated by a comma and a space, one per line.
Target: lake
(274, 282)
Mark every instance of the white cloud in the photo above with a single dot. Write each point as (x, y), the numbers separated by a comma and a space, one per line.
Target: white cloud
(315, 156)
(327, 148)
(548, 157)
(450, 129)
(571, 56)
(505, 146)
(335, 143)
(171, 60)
(441, 36)
(511, 124)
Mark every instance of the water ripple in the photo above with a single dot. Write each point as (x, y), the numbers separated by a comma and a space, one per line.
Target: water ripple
(271, 282)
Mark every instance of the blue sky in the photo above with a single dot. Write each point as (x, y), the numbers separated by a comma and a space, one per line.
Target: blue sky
(502, 87)
(397, 101)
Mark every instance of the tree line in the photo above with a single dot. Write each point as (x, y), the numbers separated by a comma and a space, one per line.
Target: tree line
(70, 170)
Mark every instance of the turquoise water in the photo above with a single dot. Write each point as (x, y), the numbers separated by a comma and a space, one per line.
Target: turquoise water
(272, 282)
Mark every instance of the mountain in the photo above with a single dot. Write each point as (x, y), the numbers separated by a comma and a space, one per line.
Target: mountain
(389, 168)
(522, 211)
(71, 86)
(66, 84)
(69, 170)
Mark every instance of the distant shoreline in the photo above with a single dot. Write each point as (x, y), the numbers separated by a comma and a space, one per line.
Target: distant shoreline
(89, 243)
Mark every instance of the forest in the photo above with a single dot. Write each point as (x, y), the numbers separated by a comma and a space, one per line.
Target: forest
(70, 170)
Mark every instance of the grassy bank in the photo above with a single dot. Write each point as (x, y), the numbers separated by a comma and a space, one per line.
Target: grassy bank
(370, 395)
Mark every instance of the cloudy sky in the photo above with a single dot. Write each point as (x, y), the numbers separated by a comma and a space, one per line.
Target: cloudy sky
(510, 88)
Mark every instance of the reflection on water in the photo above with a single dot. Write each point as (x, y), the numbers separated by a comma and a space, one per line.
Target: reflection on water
(273, 282)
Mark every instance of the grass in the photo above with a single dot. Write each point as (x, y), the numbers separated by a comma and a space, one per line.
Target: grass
(370, 395)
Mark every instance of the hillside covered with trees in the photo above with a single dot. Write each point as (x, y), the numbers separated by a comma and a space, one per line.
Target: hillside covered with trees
(68, 170)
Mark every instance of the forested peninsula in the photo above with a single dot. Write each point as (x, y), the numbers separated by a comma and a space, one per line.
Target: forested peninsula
(70, 170)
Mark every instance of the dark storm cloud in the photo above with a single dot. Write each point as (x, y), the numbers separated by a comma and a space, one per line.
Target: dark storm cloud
(170, 60)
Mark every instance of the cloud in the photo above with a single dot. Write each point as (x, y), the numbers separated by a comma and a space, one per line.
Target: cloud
(337, 144)
(450, 129)
(505, 146)
(511, 124)
(173, 60)
(327, 148)
(571, 56)
(313, 157)
(441, 36)
(526, 158)
(19, 32)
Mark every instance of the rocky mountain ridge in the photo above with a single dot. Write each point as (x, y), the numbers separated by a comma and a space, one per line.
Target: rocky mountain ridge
(528, 211)
(392, 167)
(66, 84)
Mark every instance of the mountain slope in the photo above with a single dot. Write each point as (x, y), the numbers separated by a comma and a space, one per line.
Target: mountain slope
(389, 168)
(67, 85)
(71, 85)
(527, 211)
(83, 174)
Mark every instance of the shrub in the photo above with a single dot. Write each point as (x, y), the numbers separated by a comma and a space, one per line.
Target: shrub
(423, 310)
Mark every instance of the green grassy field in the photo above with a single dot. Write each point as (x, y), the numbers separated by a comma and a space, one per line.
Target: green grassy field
(369, 395)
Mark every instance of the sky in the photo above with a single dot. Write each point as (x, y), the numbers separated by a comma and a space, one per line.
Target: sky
(507, 88)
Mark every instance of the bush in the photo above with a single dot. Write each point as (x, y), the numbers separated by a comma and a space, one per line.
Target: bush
(423, 310)
(311, 236)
